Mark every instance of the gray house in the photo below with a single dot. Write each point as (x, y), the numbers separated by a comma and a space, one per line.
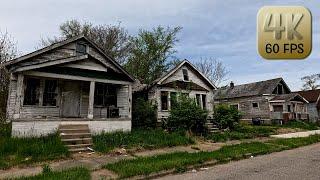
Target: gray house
(69, 82)
(269, 100)
(313, 107)
(184, 79)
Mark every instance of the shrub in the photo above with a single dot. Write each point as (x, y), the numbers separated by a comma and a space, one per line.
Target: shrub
(187, 115)
(144, 114)
(226, 116)
(5, 130)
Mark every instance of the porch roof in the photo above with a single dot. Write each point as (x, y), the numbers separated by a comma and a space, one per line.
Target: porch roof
(288, 97)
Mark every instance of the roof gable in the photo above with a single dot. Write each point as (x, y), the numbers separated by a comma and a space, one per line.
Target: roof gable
(163, 79)
(251, 89)
(64, 52)
(311, 95)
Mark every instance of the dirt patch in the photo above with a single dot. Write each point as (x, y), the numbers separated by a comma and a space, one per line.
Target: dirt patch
(287, 130)
(103, 174)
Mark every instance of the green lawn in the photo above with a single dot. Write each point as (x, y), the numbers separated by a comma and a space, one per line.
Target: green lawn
(14, 151)
(147, 139)
(300, 125)
(180, 160)
(70, 174)
(243, 132)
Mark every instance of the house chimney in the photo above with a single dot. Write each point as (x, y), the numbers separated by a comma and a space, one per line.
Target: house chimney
(231, 85)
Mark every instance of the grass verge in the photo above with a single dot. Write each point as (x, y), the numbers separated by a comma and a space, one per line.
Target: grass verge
(243, 132)
(148, 139)
(181, 160)
(301, 125)
(14, 151)
(70, 174)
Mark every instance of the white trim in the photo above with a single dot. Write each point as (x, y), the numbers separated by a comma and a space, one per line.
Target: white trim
(51, 63)
(79, 78)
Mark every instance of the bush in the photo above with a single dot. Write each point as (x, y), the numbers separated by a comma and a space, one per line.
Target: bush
(5, 130)
(187, 115)
(144, 114)
(226, 116)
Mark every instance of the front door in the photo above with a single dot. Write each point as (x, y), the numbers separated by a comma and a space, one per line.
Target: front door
(71, 99)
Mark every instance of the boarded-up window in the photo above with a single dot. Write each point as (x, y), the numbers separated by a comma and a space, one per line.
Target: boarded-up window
(164, 100)
(204, 101)
(185, 74)
(32, 91)
(81, 49)
(105, 95)
(50, 93)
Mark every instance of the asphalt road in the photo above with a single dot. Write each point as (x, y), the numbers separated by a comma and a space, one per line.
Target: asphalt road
(296, 164)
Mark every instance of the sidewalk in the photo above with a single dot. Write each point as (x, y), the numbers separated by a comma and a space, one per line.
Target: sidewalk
(297, 134)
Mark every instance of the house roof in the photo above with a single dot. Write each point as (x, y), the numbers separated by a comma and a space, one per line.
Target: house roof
(64, 42)
(184, 62)
(184, 85)
(310, 95)
(288, 97)
(250, 89)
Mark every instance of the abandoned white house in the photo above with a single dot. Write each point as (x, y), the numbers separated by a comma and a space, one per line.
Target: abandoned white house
(69, 82)
(184, 79)
(269, 100)
(313, 107)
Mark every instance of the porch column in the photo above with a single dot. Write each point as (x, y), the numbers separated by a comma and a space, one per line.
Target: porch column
(91, 100)
(19, 97)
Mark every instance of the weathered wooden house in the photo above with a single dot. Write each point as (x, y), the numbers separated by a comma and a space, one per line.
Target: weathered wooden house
(184, 79)
(269, 100)
(69, 82)
(313, 107)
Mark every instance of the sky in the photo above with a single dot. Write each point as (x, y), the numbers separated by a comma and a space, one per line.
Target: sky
(223, 30)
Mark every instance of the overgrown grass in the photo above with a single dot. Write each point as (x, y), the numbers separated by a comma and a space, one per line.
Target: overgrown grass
(243, 132)
(148, 139)
(14, 151)
(70, 174)
(5, 129)
(180, 160)
(301, 125)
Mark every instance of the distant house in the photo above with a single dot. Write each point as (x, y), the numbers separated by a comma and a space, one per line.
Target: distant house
(184, 79)
(69, 82)
(313, 107)
(269, 100)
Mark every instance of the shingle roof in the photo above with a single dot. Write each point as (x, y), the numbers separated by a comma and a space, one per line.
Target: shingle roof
(311, 95)
(251, 89)
(289, 97)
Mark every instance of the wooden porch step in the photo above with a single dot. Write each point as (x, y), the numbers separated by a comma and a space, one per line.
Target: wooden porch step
(75, 150)
(75, 135)
(72, 131)
(73, 126)
(76, 146)
(77, 141)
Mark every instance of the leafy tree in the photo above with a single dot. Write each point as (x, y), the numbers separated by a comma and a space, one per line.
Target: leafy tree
(187, 115)
(226, 116)
(311, 82)
(112, 39)
(144, 114)
(151, 53)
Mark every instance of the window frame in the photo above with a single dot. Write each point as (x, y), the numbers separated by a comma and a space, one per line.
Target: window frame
(37, 94)
(105, 95)
(258, 105)
(161, 100)
(55, 92)
(78, 51)
(204, 101)
(185, 74)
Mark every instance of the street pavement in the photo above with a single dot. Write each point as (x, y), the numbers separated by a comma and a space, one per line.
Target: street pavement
(296, 164)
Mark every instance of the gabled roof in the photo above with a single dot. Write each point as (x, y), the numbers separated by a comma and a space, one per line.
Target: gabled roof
(288, 97)
(64, 42)
(310, 95)
(160, 80)
(178, 84)
(250, 89)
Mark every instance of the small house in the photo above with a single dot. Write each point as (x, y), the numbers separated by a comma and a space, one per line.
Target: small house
(313, 107)
(68, 82)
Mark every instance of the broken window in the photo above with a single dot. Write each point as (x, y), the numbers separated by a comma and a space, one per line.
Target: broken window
(81, 49)
(198, 101)
(50, 93)
(32, 91)
(185, 74)
(204, 101)
(255, 105)
(105, 95)
(164, 100)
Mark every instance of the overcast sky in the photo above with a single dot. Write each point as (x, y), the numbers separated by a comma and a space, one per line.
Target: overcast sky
(222, 29)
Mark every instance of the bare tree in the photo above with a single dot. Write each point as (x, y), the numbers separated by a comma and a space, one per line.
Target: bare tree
(8, 49)
(114, 40)
(311, 82)
(213, 69)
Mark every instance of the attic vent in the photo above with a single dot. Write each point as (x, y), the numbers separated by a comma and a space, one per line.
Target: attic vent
(185, 74)
(81, 49)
